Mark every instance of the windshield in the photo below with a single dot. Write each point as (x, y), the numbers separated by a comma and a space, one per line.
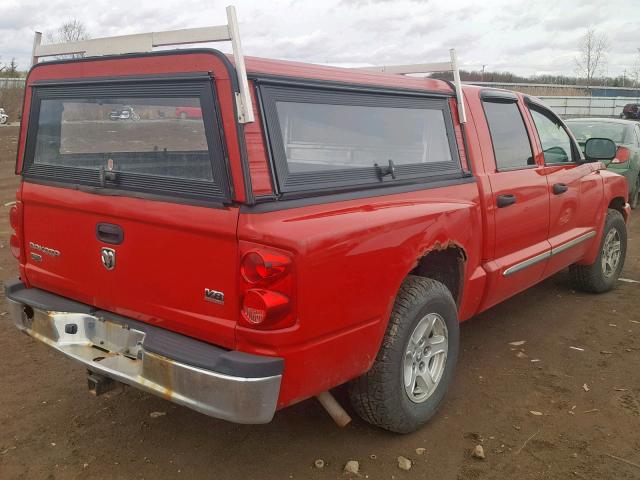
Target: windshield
(583, 131)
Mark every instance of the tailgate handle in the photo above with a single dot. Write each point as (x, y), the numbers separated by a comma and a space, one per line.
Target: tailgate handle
(110, 233)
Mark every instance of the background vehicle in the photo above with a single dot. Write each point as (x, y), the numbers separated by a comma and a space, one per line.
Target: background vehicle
(4, 118)
(339, 233)
(631, 110)
(188, 113)
(124, 113)
(626, 135)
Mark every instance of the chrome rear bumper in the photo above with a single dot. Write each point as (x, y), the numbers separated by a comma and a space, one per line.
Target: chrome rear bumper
(117, 350)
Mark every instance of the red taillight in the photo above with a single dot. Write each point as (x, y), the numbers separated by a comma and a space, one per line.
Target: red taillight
(266, 288)
(14, 242)
(14, 220)
(13, 217)
(258, 267)
(622, 155)
(264, 307)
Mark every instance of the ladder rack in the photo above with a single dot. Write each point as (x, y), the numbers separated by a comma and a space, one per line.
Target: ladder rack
(451, 66)
(145, 42)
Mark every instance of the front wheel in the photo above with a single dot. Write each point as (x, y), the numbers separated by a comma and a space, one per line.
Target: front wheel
(415, 364)
(602, 275)
(3, 120)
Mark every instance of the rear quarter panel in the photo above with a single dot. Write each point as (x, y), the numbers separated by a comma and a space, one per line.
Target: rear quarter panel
(350, 259)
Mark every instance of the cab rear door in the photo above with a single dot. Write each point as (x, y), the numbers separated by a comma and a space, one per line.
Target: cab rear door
(519, 205)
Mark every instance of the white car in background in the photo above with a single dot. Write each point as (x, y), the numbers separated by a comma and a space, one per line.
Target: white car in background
(4, 118)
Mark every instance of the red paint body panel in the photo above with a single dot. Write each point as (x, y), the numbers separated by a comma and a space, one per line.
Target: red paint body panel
(349, 257)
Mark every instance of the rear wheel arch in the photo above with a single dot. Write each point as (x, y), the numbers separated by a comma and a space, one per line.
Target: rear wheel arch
(446, 265)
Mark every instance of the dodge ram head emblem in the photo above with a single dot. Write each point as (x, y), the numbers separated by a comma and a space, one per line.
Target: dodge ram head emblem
(108, 258)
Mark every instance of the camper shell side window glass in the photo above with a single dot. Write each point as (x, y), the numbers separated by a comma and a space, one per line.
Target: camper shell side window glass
(509, 137)
(144, 137)
(332, 140)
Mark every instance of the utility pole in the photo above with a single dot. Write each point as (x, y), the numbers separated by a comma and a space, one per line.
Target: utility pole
(482, 78)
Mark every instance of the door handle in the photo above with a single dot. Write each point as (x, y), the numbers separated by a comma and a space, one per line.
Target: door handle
(109, 233)
(505, 200)
(559, 188)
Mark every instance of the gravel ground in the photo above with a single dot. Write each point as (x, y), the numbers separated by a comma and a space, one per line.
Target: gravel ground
(51, 428)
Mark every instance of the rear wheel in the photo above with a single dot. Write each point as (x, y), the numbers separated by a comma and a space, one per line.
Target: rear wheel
(3, 120)
(602, 275)
(416, 361)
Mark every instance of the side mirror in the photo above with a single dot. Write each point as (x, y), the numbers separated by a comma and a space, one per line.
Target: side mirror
(600, 149)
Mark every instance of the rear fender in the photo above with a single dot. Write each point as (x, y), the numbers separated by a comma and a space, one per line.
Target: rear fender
(351, 258)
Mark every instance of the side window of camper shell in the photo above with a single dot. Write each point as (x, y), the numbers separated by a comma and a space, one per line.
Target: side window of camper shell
(329, 140)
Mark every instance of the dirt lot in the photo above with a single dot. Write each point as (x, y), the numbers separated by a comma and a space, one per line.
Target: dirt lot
(50, 427)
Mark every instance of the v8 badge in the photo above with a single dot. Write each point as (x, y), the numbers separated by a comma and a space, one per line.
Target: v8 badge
(213, 296)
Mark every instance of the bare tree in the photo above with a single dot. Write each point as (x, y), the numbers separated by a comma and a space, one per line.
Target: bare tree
(635, 70)
(70, 31)
(593, 55)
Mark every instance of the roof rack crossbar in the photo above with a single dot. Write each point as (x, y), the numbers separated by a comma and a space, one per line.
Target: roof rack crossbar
(451, 66)
(145, 42)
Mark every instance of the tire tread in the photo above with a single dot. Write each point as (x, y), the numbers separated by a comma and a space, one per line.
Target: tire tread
(367, 393)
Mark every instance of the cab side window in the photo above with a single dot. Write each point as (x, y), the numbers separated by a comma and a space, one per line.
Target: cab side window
(556, 143)
(511, 145)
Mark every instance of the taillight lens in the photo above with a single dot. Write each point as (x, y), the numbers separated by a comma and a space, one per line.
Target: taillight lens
(266, 287)
(13, 217)
(264, 306)
(14, 242)
(14, 220)
(622, 155)
(259, 267)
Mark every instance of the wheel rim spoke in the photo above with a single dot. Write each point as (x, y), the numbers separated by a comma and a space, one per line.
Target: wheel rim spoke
(425, 357)
(611, 250)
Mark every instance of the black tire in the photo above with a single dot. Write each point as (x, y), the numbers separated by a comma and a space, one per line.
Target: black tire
(592, 278)
(379, 396)
(3, 120)
(635, 195)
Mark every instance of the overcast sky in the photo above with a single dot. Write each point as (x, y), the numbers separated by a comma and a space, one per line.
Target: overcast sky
(525, 37)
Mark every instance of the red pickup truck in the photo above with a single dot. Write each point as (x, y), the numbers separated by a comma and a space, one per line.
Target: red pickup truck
(238, 267)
